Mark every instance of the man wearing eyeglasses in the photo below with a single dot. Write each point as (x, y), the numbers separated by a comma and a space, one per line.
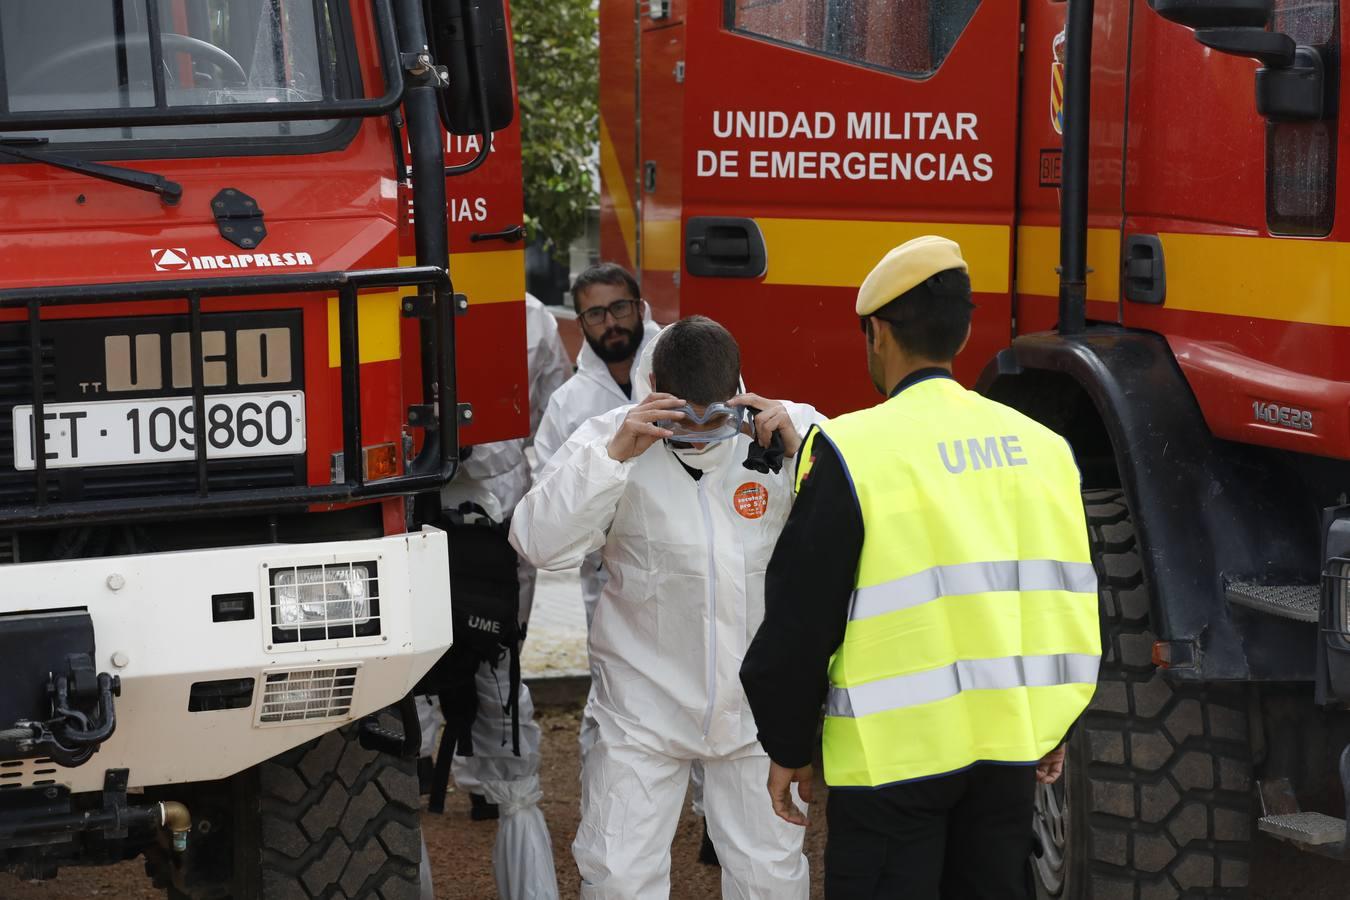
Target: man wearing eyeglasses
(685, 516)
(618, 329)
(616, 323)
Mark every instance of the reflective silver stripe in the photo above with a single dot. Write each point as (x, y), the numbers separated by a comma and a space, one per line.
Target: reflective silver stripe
(918, 688)
(973, 578)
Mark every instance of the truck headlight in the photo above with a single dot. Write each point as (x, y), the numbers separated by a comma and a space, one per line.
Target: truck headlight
(324, 602)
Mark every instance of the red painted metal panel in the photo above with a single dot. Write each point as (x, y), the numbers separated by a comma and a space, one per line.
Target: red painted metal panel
(1199, 166)
(802, 340)
(662, 126)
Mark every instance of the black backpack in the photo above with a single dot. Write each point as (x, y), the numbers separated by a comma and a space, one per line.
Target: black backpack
(485, 610)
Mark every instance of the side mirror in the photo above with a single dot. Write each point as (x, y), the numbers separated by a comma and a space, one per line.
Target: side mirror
(470, 38)
(1291, 83)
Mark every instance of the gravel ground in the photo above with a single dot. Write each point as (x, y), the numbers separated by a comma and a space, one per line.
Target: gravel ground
(461, 850)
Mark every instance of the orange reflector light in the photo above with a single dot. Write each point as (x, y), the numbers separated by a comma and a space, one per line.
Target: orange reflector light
(1162, 654)
(381, 461)
(378, 462)
(1181, 654)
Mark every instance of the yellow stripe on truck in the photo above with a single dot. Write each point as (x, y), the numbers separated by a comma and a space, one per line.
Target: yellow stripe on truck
(661, 245)
(377, 320)
(1279, 279)
(1038, 258)
(1285, 279)
(840, 252)
(487, 276)
(617, 185)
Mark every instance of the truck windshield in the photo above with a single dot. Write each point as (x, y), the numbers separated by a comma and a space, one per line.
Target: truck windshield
(101, 54)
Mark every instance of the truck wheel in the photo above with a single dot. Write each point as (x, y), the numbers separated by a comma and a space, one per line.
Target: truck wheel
(327, 819)
(1156, 795)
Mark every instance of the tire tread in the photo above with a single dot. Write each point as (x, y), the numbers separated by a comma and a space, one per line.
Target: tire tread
(1178, 798)
(342, 862)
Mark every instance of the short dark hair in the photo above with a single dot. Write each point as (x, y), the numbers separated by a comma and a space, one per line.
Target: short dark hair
(605, 273)
(931, 319)
(697, 360)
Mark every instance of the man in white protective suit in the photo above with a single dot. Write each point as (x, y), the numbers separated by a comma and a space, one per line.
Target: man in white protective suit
(685, 529)
(617, 325)
(493, 478)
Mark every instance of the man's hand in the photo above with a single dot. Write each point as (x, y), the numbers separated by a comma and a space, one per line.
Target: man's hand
(772, 416)
(639, 429)
(1051, 766)
(781, 780)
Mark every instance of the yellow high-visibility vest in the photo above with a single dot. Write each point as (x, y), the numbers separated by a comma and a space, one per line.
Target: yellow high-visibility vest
(973, 630)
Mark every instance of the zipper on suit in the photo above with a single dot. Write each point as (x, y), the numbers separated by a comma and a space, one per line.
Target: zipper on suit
(712, 607)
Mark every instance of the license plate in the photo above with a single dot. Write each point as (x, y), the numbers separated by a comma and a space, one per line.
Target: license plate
(122, 432)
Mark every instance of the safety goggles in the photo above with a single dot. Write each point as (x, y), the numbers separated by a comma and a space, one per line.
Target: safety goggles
(718, 422)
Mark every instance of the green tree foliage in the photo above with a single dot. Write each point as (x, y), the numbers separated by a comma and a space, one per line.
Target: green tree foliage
(557, 62)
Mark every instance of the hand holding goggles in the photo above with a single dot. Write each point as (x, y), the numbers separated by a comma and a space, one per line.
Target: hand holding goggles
(718, 422)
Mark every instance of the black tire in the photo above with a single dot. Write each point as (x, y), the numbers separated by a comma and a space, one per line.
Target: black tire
(326, 820)
(1156, 796)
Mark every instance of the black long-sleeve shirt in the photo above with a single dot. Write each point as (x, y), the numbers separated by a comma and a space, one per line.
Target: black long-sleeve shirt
(807, 591)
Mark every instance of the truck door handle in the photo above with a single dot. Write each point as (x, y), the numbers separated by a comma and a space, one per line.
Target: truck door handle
(724, 247)
(728, 249)
(1144, 272)
(510, 234)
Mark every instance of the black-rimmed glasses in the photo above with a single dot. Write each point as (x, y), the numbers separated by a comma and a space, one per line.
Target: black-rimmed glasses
(619, 309)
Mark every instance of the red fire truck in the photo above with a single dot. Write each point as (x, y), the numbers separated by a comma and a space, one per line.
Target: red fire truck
(234, 376)
(1147, 194)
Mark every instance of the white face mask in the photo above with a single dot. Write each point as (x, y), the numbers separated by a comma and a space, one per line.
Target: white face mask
(707, 457)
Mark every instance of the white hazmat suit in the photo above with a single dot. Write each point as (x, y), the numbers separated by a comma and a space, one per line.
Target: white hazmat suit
(588, 393)
(494, 477)
(685, 561)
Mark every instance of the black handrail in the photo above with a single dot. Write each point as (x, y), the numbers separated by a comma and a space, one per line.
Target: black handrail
(423, 475)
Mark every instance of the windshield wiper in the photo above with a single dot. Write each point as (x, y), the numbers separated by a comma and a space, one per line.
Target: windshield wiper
(169, 191)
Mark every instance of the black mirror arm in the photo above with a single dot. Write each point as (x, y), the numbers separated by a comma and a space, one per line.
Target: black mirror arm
(1291, 83)
(1270, 48)
(480, 81)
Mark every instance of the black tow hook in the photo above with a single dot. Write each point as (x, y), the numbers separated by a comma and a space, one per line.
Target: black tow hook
(83, 716)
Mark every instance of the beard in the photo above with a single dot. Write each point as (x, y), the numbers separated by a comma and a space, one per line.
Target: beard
(617, 344)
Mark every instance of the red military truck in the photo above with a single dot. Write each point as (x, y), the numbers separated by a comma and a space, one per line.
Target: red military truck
(1147, 194)
(234, 376)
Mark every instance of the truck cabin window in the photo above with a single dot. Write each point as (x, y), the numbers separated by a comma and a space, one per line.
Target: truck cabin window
(908, 37)
(97, 55)
(1301, 156)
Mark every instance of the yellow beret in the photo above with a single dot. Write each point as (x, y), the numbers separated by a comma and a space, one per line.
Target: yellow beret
(907, 266)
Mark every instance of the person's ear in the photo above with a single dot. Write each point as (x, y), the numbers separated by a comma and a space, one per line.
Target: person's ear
(874, 329)
(651, 380)
(965, 340)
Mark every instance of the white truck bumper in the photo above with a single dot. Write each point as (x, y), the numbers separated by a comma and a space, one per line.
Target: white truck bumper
(155, 626)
